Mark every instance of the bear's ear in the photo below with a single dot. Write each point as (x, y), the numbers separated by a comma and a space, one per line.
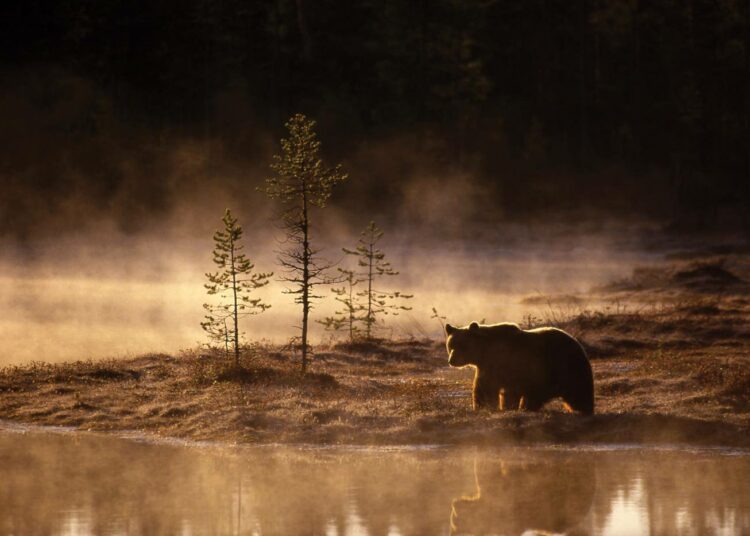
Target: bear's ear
(473, 326)
(450, 330)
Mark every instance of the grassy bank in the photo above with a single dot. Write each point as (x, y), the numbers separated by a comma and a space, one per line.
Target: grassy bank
(681, 387)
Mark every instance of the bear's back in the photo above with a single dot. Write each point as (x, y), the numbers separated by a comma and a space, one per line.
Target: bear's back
(504, 328)
(556, 350)
(556, 339)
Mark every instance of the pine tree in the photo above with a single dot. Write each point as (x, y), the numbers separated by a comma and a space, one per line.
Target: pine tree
(350, 314)
(372, 261)
(233, 283)
(302, 182)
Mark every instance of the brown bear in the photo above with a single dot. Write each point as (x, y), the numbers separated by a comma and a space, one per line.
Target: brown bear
(530, 367)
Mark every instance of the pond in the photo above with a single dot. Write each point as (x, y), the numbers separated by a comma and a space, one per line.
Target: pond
(81, 484)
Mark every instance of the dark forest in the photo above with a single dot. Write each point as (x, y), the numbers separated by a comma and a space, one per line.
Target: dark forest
(641, 108)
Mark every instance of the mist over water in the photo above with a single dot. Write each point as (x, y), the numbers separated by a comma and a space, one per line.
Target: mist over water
(109, 294)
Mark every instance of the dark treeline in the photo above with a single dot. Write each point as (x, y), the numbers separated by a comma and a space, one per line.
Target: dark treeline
(549, 102)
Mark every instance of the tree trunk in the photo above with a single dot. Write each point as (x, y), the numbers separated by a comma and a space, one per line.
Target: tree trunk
(636, 87)
(234, 292)
(351, 312)
(369, 295)
(597, 59)
(226, 339)
(304, 31)
(747, 90)
(582, 94)
(305, 277)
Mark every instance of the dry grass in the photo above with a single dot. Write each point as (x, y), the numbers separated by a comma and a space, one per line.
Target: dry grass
(384, 392)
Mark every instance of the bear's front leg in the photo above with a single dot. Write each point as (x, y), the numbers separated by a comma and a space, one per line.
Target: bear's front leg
(511, 399)
(486, 400)
(486, 394)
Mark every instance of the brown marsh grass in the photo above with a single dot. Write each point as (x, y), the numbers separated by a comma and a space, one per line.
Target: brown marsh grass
(673, 373)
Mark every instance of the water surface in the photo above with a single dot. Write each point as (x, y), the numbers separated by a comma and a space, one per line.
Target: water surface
(79, 484)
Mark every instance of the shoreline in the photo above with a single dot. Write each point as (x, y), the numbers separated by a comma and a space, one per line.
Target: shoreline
(389, 394)
(11, 427)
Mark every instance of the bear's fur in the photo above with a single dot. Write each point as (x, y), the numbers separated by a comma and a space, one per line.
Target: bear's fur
(529, 367)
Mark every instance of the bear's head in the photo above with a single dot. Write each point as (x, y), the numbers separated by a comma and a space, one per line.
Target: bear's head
(463, 345)
(469, 346)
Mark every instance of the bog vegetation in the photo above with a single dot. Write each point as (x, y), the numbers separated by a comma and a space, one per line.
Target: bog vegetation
(362, 308)
(301, 183)
(664, 375)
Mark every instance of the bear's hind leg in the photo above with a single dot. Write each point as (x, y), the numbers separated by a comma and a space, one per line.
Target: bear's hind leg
(582, 403)
(534, 402)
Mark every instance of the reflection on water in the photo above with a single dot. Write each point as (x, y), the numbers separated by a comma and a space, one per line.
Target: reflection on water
(83, 484)
(513, 497)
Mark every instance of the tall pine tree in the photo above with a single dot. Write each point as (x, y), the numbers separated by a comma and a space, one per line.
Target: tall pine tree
(302, 182)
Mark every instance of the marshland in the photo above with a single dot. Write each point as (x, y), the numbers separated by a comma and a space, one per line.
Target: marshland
(668, 347)
(232, 235)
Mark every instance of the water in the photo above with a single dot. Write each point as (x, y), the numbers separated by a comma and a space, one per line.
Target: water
(80, 484)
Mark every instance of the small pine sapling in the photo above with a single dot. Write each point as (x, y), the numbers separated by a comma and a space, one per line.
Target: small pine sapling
(349, 315)
(374, 266)
(233, 283)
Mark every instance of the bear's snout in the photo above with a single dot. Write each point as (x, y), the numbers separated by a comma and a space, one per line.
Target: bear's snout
(454, 360)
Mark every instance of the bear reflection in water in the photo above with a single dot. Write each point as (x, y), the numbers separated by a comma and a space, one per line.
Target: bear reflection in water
(512, 498)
